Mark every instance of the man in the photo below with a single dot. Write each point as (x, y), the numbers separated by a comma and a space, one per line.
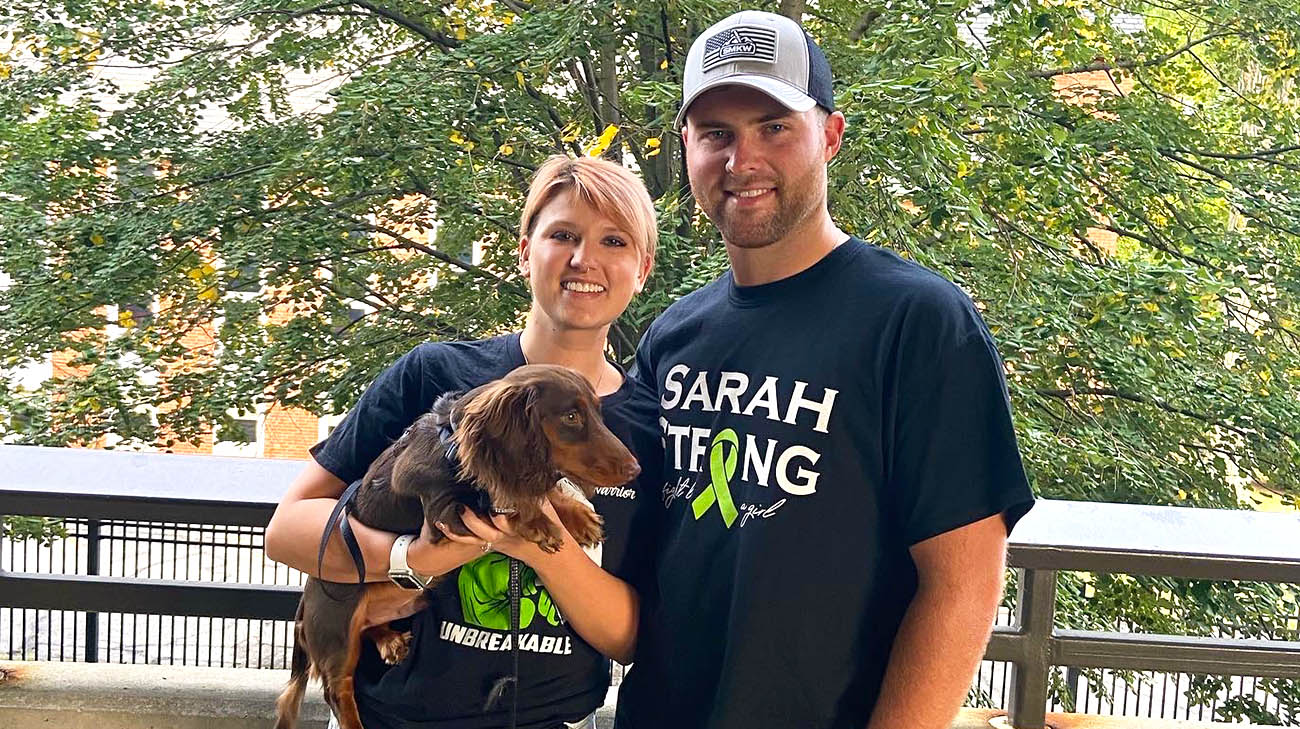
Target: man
(841, 471)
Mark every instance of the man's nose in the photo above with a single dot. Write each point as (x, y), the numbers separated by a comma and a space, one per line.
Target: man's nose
(744, 155)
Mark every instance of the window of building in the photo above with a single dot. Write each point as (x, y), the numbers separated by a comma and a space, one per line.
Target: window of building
(241, 439)
(247, 279)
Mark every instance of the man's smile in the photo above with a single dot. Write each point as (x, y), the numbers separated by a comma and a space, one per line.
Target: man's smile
(751, 193)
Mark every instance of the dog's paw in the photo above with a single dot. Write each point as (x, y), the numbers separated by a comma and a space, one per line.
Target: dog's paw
(550, 544)
(547, 538)
(394, 648)
(540, 531)
(588, 528)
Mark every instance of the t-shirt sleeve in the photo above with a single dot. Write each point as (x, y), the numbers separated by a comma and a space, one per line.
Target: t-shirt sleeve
(955, 459)
(637, 568)
(643, 372)
(393, 401)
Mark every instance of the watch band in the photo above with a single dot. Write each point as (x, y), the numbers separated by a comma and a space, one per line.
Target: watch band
(399, 571)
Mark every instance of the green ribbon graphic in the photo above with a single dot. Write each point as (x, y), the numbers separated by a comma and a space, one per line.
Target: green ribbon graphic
(485, 594)
(721, 469)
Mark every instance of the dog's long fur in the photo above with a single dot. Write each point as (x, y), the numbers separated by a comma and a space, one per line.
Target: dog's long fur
(514, 437)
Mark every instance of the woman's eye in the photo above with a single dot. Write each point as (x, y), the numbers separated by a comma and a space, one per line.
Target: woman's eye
(562, 235)
(613, 241)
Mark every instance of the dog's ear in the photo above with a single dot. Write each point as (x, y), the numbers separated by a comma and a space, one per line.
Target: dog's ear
(501, 442)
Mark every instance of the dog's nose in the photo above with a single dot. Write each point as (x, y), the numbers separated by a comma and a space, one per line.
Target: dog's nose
(631, 469)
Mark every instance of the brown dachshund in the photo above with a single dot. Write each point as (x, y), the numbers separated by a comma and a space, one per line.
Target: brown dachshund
(514, 438)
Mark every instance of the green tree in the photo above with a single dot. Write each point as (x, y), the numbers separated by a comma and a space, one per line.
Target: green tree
(1161, 369)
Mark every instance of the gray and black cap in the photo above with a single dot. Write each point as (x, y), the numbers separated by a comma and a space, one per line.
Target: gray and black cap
(764, 51)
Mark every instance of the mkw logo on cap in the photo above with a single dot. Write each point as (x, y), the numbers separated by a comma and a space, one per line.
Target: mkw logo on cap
(742, 43)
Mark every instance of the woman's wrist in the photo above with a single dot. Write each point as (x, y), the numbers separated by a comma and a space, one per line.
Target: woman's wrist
(432, 560)
(547, 564)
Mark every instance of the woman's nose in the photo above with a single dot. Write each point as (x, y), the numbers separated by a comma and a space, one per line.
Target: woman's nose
(580, 258)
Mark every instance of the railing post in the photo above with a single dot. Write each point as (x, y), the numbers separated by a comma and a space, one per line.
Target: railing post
(92, 568)
(1035, 614)
(1072, 675)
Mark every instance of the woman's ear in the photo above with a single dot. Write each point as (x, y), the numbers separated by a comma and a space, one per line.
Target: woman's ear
(523, 256)
(643, 275)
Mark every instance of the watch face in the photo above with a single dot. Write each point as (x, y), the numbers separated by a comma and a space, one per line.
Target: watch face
(406, 582)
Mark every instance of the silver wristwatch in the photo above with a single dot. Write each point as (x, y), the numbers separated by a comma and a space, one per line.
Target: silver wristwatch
(399, 571)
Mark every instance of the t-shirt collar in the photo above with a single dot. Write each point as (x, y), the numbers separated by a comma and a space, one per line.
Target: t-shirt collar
(772, 291)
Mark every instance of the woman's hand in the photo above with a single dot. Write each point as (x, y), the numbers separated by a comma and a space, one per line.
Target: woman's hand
(601, 608)
(497, 535)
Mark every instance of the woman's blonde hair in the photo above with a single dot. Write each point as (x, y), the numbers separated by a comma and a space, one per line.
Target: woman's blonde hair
(608, 187)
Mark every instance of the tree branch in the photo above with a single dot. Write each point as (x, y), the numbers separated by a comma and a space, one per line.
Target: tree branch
(554, 116)
(1224, 84)
(1265, 155)
(519, 8)
(867, 20)
(1105, 66)
(1261, 154)
(793, 9)
(290, 14)
(425, 32)
(1146, 240)
(1153, 402)
(509, 286)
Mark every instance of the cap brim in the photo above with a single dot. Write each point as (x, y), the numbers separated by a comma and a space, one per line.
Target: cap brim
(789, 96)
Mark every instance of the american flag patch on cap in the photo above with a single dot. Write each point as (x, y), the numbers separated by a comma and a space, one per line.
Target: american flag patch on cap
(740, 43)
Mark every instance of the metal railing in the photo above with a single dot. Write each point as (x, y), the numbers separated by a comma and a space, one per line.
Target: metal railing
(1129, 539)
(147, 550)
(97, 487)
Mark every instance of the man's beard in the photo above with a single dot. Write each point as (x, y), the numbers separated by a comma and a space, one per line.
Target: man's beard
(747, 230)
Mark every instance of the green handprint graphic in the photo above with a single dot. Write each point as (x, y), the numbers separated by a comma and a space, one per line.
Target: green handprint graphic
(484, 586)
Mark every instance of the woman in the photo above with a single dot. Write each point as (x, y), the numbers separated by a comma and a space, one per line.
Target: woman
(587, 239)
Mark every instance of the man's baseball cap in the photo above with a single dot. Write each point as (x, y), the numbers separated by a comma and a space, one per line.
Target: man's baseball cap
(764, 51)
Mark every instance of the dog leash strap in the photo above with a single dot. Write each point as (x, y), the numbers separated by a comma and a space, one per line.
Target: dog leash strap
(515, 596)
(338, 520)
(350, 539)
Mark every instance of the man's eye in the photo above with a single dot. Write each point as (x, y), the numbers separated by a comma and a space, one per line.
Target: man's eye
(776, 128)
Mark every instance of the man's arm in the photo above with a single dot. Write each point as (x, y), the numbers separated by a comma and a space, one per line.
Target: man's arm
(946, 627)
(293, 536)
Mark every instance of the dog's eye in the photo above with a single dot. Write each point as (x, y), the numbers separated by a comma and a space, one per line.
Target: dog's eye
(572, 418)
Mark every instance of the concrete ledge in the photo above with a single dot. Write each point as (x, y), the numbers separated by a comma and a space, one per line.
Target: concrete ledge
(132, 696)
(997, 719)
(116, 696)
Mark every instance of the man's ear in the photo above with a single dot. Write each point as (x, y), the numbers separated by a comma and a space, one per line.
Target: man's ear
(833, 134)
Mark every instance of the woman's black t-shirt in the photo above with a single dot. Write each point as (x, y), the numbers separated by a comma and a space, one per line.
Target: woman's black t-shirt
(461, 645)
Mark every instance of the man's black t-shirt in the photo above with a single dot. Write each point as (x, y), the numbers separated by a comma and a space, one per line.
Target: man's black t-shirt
(815, 428)
(461, 646)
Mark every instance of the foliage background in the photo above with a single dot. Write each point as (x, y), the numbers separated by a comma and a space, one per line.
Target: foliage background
(1162, 369)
